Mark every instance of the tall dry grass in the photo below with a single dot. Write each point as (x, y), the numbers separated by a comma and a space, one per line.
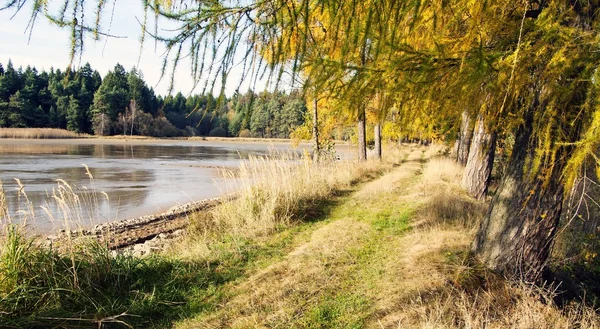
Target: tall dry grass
(39, 133)
(272, 192)
(507, 306)
(468, 295)
(447, 203)
(79, 283)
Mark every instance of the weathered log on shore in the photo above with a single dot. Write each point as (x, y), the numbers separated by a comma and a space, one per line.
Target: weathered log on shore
(125, 233)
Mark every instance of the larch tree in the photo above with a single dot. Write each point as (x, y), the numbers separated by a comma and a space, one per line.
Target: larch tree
(539, 59)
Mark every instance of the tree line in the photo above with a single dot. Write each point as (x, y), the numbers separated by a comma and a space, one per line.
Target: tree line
(121, 103)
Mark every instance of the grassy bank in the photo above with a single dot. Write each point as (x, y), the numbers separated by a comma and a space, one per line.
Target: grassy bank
(329, 245)
(39, 133)
(85, 285)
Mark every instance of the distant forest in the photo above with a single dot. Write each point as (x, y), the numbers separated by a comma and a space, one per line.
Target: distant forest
(122, 104)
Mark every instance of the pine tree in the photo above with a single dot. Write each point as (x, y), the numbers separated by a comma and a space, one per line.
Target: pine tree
(75, 115)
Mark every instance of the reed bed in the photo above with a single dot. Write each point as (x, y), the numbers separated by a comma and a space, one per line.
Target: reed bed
(280, 189)
(39, 133)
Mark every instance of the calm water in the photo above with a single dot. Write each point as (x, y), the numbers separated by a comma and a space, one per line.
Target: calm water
(139, 177)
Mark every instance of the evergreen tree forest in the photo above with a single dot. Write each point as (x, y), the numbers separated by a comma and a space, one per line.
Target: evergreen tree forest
(121, 103)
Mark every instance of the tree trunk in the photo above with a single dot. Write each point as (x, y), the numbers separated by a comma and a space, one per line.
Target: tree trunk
(102, 125)
(516, 236)
(378, 141)
(315, 131)
(478, 170)
(362, 136)
(454, 152)
(133, 106)
(466, 132)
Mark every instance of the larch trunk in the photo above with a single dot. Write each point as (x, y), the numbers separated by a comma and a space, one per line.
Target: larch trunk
(455, 149)
(315, 131)
(378, 141)
(478, 170)
(517, 234)
(362, 136)
(464, 140)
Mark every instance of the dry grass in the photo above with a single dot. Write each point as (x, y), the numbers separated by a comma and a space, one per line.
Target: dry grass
(271, 192)
(435, 283)
(39, 133)
(394, 254)
(507, 305)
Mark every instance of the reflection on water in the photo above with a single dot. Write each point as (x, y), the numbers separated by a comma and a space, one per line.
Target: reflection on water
(138, 177)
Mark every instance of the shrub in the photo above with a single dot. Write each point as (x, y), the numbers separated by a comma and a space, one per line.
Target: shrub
(246, 133)
(218, 132)
(191, 131)
(143, 123)
(163, 128)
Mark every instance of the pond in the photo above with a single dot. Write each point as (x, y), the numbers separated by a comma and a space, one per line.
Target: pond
(139, 177)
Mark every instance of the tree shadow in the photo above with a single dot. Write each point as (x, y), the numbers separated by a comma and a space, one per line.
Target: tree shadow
(321, 209)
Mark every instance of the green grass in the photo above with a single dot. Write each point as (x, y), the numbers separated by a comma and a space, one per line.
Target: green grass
(339, 311)
(41, 288)
(347, 300)
(44, 289)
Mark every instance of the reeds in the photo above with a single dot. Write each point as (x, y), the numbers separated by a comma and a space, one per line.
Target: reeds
(279, 189)
(39, 133)
(271, 193)
(78, 282)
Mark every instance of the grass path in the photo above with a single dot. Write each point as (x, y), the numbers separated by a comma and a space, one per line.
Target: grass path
(350, 270)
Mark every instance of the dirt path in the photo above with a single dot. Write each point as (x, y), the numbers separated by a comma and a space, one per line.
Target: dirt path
(355, 270)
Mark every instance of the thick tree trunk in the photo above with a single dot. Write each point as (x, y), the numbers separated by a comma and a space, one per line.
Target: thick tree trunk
(315, 131)
(478, 169)
(464, 139)
(362, 136)
(378, 141)
(516, 236)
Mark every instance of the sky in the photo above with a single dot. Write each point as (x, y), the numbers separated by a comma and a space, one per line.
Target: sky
(49, 46)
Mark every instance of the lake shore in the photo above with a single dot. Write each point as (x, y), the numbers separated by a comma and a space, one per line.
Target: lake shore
(139, 235)
(142, 140)
(142, 176)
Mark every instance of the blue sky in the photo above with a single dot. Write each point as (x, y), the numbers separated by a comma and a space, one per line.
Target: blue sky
(49, 47)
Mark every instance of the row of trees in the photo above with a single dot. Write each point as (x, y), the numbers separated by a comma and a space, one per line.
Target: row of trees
(48, 99)
(523, 74)
(122, 103)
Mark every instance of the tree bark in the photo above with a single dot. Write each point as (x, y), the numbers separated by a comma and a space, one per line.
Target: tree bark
(362, 136)
(464, 140)
(315, 131)
(478, 169)
(516, 236)
(455, 149)
(378, 141)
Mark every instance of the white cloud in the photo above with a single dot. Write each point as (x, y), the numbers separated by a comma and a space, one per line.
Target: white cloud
(49, 47)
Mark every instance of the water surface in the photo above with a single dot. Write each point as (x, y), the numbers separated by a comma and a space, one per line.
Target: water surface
(140, 177)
